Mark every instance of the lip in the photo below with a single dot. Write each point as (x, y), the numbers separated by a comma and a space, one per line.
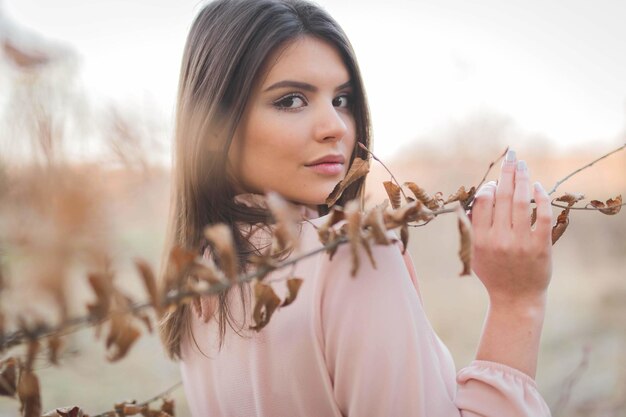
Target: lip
(328, 159)
(328, 165)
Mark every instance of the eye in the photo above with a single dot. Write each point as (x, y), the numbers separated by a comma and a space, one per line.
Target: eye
(344, 101)
(290, 102)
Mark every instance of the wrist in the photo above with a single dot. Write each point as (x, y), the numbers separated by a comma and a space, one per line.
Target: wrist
(528, 304)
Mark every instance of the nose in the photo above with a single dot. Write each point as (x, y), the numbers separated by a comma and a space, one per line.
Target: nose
(330, 125)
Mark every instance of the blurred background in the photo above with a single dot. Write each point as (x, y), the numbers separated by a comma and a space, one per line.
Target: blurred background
(87, 93)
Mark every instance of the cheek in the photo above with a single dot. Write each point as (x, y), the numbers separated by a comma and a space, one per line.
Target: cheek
(273, 149)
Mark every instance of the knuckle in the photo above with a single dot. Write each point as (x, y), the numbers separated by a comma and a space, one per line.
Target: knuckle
(521, 176)
(508, 168)
(501, 246)
(519, 203)
(480, 244)
(526, 248)
(505, 193)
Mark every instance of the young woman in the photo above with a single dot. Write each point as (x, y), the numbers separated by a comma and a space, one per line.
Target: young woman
(271, 98)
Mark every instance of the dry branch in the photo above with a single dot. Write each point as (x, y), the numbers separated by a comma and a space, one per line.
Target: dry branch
(561, 181)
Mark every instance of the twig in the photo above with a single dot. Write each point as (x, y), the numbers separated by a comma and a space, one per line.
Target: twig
(420, 225)
(161, 395)
(151, 400)
(384, 166)
(586, 207)
(491, 166)
(570, 381)
(584, 167)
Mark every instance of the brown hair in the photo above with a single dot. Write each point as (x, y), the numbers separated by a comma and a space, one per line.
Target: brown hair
(227, 46)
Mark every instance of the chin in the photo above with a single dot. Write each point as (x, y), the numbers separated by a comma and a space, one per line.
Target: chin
(312, 197)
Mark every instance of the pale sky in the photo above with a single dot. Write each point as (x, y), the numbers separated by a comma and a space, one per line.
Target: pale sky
(556, 68)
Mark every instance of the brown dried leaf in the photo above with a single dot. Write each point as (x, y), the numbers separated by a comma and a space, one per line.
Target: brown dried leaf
(122, 335)
(353, 217)
(287, 219)
(394, 192)
(358, 169)
(465, 251)
(410, 212)
(168, 406)
(433, 203)
(462, 196)
(119, 407)
(8, 377)
(333, 235)
(570, 198)
(375, 222)
(180, 257)
(65, 412)
(28, 393)
(178, 264)
(561, 224)
(54, 346)
(31, 353)
(149, 281)
(613, 205)
(103, 287)
(293, 285)
(266, 303)
(205, 270)
(325, 231)
(221, 238)
(145, 319)
(133, 409)
(404, 237)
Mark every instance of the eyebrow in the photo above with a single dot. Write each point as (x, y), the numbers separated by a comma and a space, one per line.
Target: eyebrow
(303, 86)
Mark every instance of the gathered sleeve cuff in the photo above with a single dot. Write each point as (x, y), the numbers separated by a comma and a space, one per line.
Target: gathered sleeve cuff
(493, 389)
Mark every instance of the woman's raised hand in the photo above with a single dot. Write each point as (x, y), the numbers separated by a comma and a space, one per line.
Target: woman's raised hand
(512, 259)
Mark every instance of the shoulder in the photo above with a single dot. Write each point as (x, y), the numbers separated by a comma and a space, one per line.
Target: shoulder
(356, 272)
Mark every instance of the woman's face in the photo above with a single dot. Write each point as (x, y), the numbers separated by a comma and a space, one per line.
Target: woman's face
(298, 130)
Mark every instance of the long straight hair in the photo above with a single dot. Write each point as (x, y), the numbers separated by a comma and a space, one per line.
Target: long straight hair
(226, 49)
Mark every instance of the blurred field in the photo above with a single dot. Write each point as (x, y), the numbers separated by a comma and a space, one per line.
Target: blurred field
(587, 300)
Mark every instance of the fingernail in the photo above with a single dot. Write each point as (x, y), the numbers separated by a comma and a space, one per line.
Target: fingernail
(538, 186)
(521, 166)
(510, 155)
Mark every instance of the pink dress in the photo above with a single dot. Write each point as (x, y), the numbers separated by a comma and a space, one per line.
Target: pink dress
(347, 346)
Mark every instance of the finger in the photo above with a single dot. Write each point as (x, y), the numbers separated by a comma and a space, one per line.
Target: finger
(543, 225)
(504, 193)
(482, 208)
(521, 200)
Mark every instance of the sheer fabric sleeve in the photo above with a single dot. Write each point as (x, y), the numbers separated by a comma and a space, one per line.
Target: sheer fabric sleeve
(384, 359)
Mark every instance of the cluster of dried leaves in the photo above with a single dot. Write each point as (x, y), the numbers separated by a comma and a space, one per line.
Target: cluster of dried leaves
(18, 378)
(189, 276)
(48, 225)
